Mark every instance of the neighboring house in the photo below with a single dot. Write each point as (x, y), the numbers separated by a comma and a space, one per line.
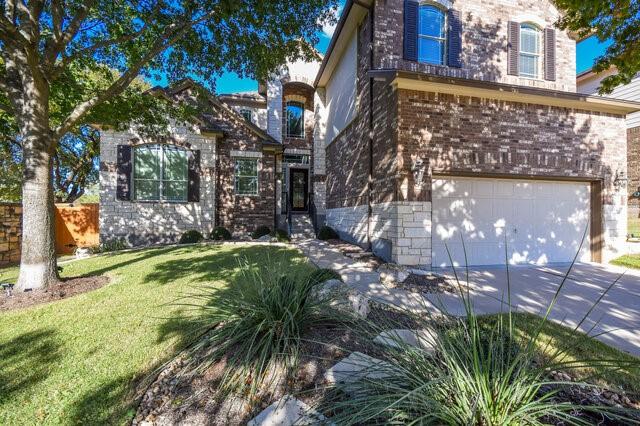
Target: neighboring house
(589, 83)
(453, 125)
(429, 128)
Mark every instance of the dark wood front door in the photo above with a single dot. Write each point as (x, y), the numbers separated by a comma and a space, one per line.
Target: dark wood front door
(299, 189)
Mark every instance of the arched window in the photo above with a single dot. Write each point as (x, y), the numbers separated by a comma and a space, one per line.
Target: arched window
(529, 51)
(295, 119)
(160, 172)
(432, 34)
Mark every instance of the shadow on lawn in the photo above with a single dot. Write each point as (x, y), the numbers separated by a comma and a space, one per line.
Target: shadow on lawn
(205, 266)
(25, 361)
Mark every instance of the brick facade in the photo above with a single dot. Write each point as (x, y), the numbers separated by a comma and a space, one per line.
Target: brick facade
(484, 41)
(633, 171)
(163, 222)
(10, 232)
(379, 191)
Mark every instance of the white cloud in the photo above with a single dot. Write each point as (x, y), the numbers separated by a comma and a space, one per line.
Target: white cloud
(329, 28)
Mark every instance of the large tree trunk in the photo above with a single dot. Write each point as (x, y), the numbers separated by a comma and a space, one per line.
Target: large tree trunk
(38, 265)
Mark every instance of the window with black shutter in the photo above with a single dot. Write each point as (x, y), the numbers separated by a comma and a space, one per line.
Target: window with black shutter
(432, 34)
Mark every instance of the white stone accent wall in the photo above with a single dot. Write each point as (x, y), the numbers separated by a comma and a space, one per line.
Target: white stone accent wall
(274, 109)
(404, 224)
(320, 197)
(615, 229)
(258, 115)
(142, 223)
(350, 222)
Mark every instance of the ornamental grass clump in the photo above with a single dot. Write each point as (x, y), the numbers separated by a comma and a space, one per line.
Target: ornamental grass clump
(470, 371)
(258, 324)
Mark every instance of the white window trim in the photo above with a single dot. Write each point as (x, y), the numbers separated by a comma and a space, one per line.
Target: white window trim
(243, 111)
(235, 176)
(161, 198)
(538, 55)
(287, 120)
(440, 6)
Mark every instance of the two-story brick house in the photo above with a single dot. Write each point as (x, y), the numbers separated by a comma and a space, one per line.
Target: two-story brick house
(453, 125)
(429, 128)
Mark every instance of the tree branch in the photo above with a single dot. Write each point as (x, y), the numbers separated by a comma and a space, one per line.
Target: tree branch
(117, 87)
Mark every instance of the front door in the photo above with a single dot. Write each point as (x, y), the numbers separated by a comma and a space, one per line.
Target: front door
(298, 189)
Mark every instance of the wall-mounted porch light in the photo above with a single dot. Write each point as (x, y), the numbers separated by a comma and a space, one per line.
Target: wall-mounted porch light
(620, 180)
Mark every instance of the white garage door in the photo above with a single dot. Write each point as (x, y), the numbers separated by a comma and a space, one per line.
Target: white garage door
(540, 222)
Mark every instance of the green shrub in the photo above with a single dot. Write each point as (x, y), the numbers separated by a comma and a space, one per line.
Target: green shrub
(191, 237)
(281, 235)
(260, 231)
(470, 371)
(327, 233)
(321, 275)
(220, 233)
(259, 322)
(115, 244)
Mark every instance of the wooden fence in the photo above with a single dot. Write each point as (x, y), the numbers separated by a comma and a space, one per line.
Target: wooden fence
(76, 226)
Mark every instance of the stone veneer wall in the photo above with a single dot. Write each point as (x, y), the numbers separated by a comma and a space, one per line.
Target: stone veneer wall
(633, 172)
(10, 232)
(154, 222)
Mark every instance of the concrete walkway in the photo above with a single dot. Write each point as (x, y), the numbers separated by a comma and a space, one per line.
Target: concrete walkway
(532, 289)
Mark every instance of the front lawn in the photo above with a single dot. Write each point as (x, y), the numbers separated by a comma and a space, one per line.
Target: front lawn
(578, 346)
(82, 360)
(628, 261)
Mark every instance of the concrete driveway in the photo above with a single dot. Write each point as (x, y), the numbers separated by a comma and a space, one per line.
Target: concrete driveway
(532, 289)
(617, 315)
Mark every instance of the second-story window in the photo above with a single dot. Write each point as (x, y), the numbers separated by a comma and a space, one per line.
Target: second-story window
(529, 60)
(295, 119)
(246, 113)
(432, 34)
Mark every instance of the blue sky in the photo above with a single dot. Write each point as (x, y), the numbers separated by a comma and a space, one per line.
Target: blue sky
(586, 53)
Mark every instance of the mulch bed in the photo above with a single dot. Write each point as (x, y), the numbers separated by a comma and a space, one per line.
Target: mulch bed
(430, 283)
(66, 288)
(195, 401)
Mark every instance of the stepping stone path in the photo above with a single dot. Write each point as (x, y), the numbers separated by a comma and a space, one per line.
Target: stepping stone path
(355, 367)
(422, 339)
(288, 411)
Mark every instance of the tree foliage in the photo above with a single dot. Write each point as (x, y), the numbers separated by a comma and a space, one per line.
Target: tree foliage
(616, 20)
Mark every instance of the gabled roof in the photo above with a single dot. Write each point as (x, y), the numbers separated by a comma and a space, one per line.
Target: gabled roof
(209, 123)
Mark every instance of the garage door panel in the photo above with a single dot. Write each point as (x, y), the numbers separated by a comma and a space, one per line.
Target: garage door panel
(541, 222)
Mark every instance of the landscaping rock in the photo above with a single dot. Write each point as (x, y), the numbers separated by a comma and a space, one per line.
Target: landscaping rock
(422, 339)
(265, 239)
(344, 297)
(356, 367)
(392, 274)
(288, 411)
(82, 252)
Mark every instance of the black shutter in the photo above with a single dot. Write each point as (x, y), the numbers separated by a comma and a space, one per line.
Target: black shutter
(513, 48)
(123, 184)
(455, 39)
(410, 30)
(193, 192)
(550, 54)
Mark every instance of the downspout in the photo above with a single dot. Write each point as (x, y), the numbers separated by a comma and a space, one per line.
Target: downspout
(370, 178)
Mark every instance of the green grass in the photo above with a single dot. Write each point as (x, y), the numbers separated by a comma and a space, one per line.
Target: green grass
(578, 346)
(83, 360)
(628, 261)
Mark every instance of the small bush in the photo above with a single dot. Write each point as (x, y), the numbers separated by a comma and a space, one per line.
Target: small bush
(321, 275)
(258, 324)
(191, 237)
(220, 233)
(281, 235)
(327, 233)
(116, 244)
(261, 231)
